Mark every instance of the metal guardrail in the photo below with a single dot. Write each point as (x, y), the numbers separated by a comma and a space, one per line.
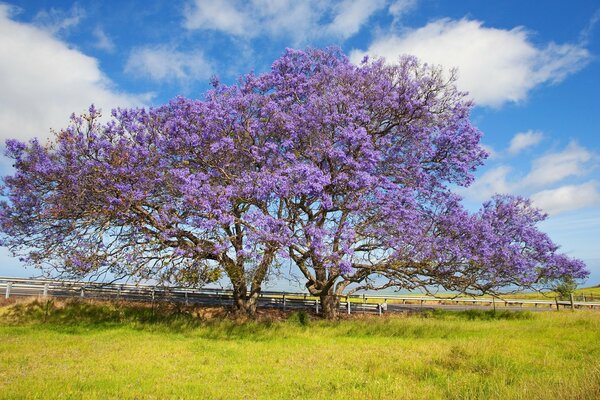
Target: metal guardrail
(494, 301)
(30, 287)
(274, 299)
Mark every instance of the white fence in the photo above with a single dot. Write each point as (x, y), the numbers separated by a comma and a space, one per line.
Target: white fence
(10, 287)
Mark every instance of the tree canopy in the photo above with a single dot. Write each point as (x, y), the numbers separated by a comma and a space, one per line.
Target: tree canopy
(346, 171)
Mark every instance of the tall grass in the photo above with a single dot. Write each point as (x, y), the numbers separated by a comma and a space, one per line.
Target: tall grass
(89, 350)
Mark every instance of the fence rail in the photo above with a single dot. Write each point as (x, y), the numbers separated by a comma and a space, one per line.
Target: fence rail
(378, 304)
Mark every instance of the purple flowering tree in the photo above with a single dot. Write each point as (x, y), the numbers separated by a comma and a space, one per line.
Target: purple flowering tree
(344, 170)
(367, 156)
(160, 194)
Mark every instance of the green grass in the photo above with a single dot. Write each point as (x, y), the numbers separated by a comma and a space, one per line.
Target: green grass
(82, 350)
(590, 293)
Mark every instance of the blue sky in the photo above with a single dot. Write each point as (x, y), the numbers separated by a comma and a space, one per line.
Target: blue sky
(533, 69)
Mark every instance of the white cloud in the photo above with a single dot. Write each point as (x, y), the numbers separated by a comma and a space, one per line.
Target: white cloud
(494, 181)
(573, 161)
(103, 42)
(56, 21)
(222, 15)
(351, 15)
(166, 64)
(298, 20)
(494, 65)
(586, 33)
(400, 7)
(523, 140)
(568, 197)
(43, 81)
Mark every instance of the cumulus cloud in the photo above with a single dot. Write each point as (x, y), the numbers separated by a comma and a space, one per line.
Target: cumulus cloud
(567, 198)
(573, 161)
(43, 84)
(523, 140)
(298, 20)
(163, 63)
(494, 65)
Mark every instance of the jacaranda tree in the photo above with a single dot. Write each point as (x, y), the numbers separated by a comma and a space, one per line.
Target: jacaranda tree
(367, 158)
(344, 170)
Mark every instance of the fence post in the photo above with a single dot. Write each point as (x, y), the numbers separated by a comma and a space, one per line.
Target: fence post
(82, 292)
(348, 304)
(119, 292)
(572, 302)
(186, 298)
(379, 308)
(283, 301)
(317, 306)
(556, 301)
(8, 288)
(494, 303)
(45, 290)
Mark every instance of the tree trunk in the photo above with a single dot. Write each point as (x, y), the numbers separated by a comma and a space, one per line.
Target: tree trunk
(244, 300)
(330, 305)
(244, 304)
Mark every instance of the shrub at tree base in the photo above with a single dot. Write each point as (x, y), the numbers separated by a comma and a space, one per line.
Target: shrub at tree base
(344, 170)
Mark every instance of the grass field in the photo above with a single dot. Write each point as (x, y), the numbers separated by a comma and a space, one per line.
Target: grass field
(590, 293)
(82, 350)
